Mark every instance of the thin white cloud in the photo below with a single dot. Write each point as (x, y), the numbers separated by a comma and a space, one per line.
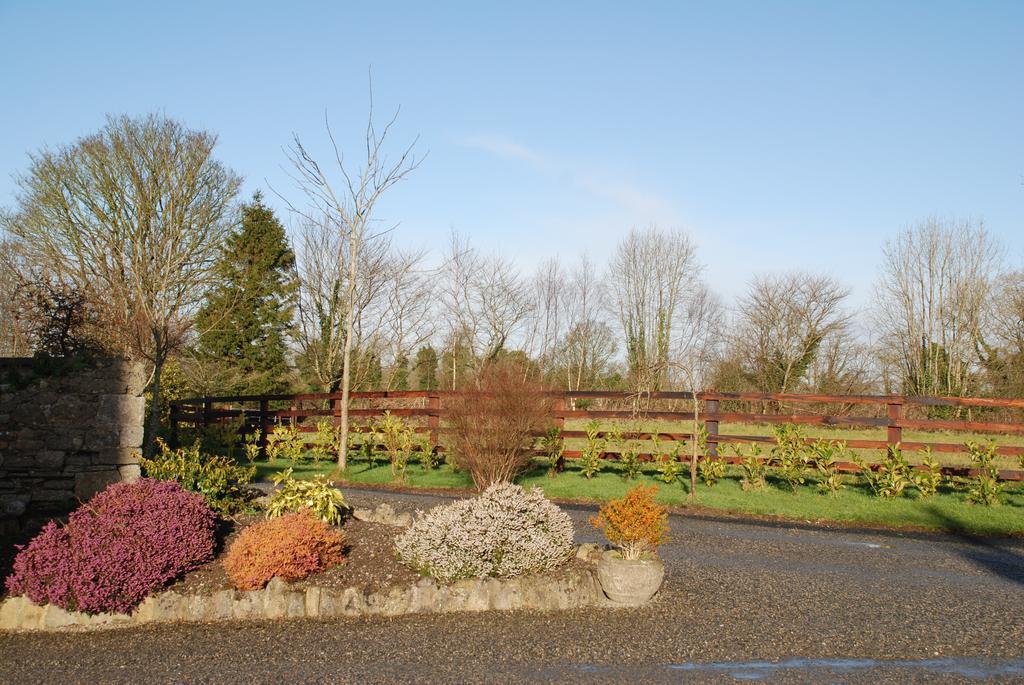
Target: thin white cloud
(504, 148)
(642, 205)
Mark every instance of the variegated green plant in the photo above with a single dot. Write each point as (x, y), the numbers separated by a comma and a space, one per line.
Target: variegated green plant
(317, 495)
(826, 452)
(985, 486)
(928, 479)
(590, 457)
(753, 466)
(668, 465)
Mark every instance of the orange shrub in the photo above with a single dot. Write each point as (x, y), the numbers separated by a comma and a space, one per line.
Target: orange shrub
(635, 523)
(290, 547)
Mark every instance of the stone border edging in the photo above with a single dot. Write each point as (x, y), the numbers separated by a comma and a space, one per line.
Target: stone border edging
(577, 587)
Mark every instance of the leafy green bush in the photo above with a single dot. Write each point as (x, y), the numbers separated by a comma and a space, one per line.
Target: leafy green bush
(328, 437)
(791, 454)
(669, 466)
(219, 480)
(590, 457)
(754, 469)
(284, 442)
(630, 460)
(323, 500)
(825, 453)
(927, 480)
(985, 486)
(711, 469)
(552, 445)
(252, 445)
(399, 439)
(892, 476)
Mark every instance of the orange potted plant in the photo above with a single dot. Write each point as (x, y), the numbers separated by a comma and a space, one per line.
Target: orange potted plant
(636, 525)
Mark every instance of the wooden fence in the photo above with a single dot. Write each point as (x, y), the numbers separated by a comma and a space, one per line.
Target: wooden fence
(424, 410)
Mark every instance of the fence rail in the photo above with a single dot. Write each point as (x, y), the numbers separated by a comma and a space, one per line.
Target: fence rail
(426, 408)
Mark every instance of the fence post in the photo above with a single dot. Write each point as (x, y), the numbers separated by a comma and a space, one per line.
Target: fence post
(207, 408)
(711, 407)
(174, 424)
(434, 418)
(264, 422)
(894, 431)
(558, 408)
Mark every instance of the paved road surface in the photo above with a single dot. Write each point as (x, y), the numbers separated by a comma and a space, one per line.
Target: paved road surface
(742, 601)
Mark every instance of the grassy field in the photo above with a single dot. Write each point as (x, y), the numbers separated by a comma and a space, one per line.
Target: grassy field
(948, 510)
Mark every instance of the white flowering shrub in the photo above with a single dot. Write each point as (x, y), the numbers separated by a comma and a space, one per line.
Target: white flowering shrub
(506, 531)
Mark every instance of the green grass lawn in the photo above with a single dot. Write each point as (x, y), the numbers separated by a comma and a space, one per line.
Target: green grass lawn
(948, 510)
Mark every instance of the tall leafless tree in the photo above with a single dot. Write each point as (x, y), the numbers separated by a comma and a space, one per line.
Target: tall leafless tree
(932, 299)
(132, 217)
(781, 323)
(484, 302)
(347, 203)
(589, 345)
(651, 275)
(14, 336)
(692, 349)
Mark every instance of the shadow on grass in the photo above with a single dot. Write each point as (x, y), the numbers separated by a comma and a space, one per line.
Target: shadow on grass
(1000, 557)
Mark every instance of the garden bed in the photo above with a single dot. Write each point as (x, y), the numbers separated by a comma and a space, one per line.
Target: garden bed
(370, 581)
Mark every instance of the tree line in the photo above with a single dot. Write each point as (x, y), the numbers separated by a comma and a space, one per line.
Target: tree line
(133, 241)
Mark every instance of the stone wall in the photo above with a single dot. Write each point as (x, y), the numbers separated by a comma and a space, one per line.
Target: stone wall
(65, 434)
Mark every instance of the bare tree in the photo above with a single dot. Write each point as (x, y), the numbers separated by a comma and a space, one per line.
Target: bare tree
(588, 347)
(348, 205)
(781, 324)
(14, 336)
(546, 321)
(484, 302)
(932, 299)
(692, 349)
(652, 274)
(1002, 350)
(132, 217)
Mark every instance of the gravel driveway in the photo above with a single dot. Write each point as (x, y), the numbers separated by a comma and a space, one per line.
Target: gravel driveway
(742, 601)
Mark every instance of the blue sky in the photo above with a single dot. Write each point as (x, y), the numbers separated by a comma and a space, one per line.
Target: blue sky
(781, 135)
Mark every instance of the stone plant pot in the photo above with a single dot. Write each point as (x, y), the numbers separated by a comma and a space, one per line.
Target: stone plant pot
(629, 581)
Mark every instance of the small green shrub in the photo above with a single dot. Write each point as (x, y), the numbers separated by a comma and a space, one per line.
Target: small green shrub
(711, 469)
(590, 457)
(323, 500)
(219, 480)
(754, 469)
(429, 458)
(825, 453)
(928, 479)
(552, 445)
(284, 442)
(892, 476)
(328, 437)
(985, 486)
(399, 440)
(791, 454)
(216, 438)
(669, 466)
(252, 445)
(631, 464)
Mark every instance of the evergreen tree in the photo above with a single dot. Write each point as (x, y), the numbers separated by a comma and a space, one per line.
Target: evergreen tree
(400, 374)
(426, 368)
(247, 315)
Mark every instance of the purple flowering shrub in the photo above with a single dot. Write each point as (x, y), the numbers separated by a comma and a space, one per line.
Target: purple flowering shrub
(118, 547)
